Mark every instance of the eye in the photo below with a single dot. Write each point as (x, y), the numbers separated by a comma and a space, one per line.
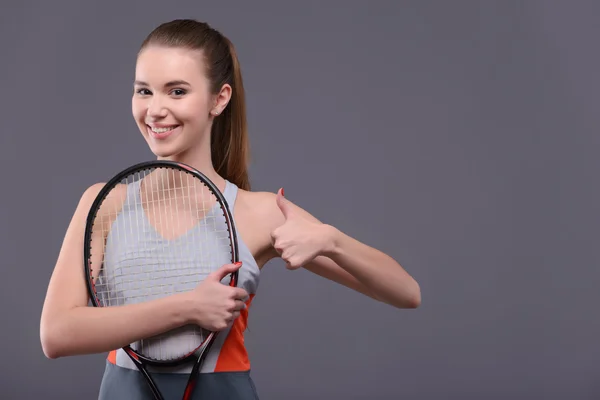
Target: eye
(178, 92)
(143, 92)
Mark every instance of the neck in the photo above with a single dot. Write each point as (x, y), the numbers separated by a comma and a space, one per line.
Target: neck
(199, 157)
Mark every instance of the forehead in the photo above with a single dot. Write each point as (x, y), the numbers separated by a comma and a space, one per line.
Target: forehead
(156, 65)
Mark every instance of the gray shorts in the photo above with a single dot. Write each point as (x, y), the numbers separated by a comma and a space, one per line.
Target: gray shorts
(120, 383)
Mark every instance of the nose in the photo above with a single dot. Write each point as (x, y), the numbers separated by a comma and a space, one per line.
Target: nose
(156, 108)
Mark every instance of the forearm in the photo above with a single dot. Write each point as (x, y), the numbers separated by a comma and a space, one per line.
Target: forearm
(90, 330)
(379, 273)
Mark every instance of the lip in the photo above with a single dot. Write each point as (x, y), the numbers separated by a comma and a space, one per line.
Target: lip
(163, 135)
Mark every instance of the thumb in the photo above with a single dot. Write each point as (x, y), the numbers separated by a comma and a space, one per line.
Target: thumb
(223, 271)
(283, 204)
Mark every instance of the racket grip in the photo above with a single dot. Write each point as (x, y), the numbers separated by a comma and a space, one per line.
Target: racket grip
(194, 375)
(149, 380)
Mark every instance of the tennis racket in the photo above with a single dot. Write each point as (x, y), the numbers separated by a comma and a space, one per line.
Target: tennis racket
(155, 229)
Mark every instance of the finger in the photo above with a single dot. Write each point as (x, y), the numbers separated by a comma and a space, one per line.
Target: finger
(223, 271)
(274, 236)
(235, 305)
(279, 249)
(239, 305)
(239, 294)
(287, 254)
(283, 204)
(294, 262)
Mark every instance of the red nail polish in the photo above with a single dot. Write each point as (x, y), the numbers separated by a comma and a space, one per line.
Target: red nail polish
(282, 192)
(238, 263)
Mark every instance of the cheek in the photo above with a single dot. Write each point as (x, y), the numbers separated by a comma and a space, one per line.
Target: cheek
(193, 112)
(138, 109)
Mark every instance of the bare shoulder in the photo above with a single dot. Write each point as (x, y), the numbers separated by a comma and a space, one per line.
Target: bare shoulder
(264, 206)
(85, 203)
(74, 235)
(115, 198)
(261, 206)
(90, 194)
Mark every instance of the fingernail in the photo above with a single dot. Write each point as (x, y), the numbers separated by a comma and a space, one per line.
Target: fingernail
(282, 192)
(237, 264)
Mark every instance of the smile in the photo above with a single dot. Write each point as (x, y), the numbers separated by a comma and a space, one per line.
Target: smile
(161, 132)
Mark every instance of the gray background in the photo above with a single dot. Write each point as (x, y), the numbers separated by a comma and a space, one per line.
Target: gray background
(474, 125)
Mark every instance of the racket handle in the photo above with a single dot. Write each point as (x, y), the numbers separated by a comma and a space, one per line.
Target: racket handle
(194, 375)
(149, 380)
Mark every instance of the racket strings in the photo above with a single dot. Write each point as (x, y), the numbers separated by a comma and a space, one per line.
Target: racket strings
(162, 232)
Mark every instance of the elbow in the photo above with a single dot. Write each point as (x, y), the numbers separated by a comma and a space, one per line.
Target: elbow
(52, 341)
(50, 352)
(50, 345)
(414, 301)
(409, 299)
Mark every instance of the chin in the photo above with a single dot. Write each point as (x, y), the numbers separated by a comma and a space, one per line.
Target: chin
(165, 154)
(163, 150)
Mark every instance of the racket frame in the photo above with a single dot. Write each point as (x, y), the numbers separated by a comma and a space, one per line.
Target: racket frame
(201, 351)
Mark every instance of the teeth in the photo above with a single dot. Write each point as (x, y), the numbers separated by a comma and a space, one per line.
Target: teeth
(162, 130)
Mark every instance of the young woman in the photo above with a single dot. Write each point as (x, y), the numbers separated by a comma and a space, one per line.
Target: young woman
(188, 102)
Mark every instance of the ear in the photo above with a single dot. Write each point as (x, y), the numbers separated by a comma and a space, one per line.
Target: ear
(221, 99)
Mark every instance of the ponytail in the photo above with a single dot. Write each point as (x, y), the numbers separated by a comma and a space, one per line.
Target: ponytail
(229, 136)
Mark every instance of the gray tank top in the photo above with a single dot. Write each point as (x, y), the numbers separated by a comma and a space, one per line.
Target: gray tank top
(225, 372)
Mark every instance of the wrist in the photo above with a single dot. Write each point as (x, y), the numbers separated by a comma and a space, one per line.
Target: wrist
(332, 241)
(185, 305)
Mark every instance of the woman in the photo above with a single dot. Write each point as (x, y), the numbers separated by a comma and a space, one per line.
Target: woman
(188, 103)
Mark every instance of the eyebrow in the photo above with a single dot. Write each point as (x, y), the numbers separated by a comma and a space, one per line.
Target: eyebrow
(168, 84)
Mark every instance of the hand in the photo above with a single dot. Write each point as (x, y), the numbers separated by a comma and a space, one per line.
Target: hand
(215, 305)
(299, 239)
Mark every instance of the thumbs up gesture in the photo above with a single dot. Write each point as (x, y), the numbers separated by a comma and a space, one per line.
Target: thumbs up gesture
(300, 238)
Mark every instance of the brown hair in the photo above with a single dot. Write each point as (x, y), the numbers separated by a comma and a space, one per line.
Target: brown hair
(229, 134)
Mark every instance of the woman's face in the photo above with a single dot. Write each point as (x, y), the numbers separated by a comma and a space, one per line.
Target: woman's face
(172, 102)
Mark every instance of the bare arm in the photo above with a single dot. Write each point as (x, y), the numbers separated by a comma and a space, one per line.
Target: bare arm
(347, 261)
(353, 263)
(69, 327)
